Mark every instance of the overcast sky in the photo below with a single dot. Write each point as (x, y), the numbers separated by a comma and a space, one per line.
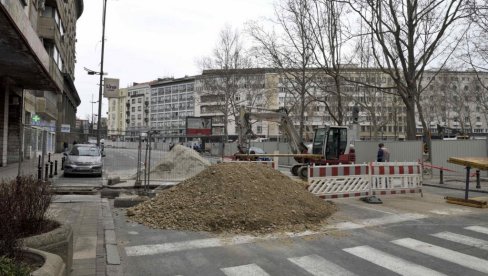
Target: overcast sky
(147, 39)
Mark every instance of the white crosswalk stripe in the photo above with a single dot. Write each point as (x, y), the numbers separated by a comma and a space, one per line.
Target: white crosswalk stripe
(462, 239)
(479, 229)
(244, 270)
(319, 266)
(461, 259)
(395, 264)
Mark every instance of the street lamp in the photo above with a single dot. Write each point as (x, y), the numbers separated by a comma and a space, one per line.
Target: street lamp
(101, 73)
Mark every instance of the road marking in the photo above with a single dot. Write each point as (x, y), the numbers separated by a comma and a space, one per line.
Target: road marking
(395, 264)
(461, 259)
(319, 266)
(396, 218)
(152, 249)
(462, 239)
(479, 229)
(450, 211)
(243, 270)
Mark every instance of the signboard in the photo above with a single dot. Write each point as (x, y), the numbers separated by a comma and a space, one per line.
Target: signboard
(110, 88)
(198, 126)
(66, 128)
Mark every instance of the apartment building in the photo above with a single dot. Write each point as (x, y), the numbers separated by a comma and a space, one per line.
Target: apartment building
(36, 74)
(450, 98)
(116, 120)
(220, 92)
(172, 100)
(137, 109)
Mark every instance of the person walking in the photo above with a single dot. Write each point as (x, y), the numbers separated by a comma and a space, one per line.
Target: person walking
(383, 154)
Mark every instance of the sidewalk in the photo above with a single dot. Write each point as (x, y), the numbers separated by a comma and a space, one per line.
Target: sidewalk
(457, 183)
(91, 219)
(28, 166)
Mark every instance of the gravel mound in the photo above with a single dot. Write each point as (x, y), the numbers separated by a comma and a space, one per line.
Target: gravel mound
(179, 163)
(234, 198)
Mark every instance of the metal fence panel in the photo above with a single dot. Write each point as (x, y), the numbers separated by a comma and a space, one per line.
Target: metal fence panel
(401, 151)
(442, 150)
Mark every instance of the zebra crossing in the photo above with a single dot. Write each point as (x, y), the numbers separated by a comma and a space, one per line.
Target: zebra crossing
(317, 265)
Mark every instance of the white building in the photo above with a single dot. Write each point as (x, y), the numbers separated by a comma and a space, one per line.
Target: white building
(117, 115)
(172, 101)
(137, 108)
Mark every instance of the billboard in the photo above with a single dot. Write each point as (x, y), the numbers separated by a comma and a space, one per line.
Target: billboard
(110, 88)
(198, 126)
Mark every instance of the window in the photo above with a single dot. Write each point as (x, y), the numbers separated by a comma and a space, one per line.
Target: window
(139, 108)
(259, 129)
(139, 100)
(133, 101)
(133, 109)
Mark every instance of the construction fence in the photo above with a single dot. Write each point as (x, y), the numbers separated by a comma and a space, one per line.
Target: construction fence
(131, 160)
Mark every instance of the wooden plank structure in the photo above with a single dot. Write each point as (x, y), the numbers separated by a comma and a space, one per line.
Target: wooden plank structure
(479, 163)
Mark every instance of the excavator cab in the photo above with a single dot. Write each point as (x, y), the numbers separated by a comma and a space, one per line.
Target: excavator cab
(330, 142)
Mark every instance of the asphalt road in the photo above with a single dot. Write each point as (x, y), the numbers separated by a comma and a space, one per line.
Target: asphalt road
(406, 235)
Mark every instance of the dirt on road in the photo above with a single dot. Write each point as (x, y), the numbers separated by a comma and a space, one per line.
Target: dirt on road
(235, 198)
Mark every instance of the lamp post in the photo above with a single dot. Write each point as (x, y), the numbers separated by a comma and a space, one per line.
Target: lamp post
(101, 73)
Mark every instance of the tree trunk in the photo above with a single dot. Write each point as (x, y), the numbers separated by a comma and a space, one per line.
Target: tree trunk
(410, 113)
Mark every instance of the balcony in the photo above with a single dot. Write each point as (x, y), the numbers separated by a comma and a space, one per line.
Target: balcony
(48, 29)
(46, 104)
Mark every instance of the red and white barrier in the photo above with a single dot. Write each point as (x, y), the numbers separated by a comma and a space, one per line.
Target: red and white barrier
(341, 181)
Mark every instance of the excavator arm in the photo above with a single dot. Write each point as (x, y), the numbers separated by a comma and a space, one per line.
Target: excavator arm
(279, 116)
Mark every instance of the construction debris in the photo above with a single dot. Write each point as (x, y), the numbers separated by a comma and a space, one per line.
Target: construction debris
(179, 163)
(235, 198)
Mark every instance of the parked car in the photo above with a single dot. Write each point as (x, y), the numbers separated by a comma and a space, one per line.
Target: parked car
(83, 159)
(256, 150)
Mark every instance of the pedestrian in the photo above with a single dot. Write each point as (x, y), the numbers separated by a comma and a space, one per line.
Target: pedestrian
(383, 154)
(65, 146)
(74, 142)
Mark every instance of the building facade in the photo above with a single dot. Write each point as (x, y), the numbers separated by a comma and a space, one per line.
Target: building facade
(36, 75)
(453, 99)
(137, 109)
(117, 115)
(172, 100)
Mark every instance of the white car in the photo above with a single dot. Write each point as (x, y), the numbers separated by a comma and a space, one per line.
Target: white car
(83, 159)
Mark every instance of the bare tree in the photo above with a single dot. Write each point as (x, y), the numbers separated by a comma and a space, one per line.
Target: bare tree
(290, 52)
(222, 80)
(477, 52)
(329, 34)
(406, 37)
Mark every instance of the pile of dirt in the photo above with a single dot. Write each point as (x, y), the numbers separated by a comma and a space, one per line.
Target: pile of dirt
(235, 198)
(179, 163)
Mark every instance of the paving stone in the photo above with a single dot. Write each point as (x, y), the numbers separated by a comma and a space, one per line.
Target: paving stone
(113, 257)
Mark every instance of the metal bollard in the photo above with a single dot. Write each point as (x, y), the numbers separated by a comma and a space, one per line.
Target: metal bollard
(46, 175)
(51, 169)
(478, 185)
(441, 179)
(55, 167)
(62, 163)
(39, 161)
(39, 172)
(49, 157)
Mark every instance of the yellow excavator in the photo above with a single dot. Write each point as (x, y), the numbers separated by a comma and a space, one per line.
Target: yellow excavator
(331, 144)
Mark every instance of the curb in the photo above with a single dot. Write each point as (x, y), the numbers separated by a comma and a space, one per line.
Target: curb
(454, 188)
(113, 257)
(53, 264)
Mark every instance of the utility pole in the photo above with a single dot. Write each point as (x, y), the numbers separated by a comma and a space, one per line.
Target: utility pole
(101, 74)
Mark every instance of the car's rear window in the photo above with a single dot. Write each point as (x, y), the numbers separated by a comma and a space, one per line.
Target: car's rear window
(85, 151)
